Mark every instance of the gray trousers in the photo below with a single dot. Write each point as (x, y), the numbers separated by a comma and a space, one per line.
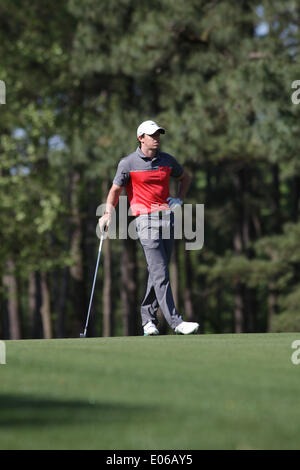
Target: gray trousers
(156, 235)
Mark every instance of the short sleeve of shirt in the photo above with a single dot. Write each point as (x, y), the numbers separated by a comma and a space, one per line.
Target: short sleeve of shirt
(122, 175)
(177, 169)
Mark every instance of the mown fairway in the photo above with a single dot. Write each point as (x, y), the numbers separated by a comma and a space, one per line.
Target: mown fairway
(168, 392)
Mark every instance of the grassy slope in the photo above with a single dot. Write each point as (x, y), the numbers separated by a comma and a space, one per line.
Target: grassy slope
(168, 392)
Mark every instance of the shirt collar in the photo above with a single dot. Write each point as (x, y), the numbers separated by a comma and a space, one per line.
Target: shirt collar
(142, 155)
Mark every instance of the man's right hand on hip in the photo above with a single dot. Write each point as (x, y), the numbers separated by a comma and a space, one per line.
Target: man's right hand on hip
(174, 202)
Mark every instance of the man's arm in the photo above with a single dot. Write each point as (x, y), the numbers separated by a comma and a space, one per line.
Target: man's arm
(184, 181)
(113, 198)
(184, 184)
(111, 202)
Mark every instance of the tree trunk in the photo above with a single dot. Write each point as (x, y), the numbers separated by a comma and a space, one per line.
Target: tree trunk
(272, 305)
(129, 287)
(76, 268)
(240, 242)
(250, 310)
(239, 305)
(276, 198)
(31, 302)
(61, 303)
(35, 305)
(295, 197)
(10, 282)
(238, 308)
(77, 278)
(45, 308)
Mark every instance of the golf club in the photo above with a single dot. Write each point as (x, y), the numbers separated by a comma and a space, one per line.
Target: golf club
(83, 335)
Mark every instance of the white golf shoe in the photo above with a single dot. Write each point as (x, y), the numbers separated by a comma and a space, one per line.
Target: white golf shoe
(187, 328)
(150, 329)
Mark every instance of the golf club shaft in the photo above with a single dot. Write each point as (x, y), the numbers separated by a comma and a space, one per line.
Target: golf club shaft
(94, 282)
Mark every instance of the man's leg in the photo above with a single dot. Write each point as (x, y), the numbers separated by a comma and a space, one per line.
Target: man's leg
(157, 252)
(149, 305)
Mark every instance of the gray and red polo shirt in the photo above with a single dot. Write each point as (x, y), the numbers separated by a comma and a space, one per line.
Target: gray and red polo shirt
(146, 180)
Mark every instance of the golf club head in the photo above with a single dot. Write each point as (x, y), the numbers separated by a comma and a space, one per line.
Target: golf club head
(82, 335)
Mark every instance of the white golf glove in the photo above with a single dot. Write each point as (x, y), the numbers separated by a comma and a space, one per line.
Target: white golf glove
(174, 202)
(104, 222)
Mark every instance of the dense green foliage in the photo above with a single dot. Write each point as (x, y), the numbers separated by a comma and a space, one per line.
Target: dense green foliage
(80, 77)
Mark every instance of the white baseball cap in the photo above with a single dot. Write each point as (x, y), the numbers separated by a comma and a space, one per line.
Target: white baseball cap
(149, 127)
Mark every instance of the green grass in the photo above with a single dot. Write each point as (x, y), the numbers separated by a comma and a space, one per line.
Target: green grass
(167, 392)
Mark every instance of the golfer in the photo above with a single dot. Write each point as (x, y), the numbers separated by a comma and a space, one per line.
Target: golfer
(145, 175)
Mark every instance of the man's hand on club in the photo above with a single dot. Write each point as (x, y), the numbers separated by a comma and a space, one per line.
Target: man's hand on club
(174, 202)
(104, 222)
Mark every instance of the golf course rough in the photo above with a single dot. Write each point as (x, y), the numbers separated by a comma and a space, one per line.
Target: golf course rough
(163, 392)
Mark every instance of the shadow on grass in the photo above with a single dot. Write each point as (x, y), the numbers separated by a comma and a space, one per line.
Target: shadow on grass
(16, 410)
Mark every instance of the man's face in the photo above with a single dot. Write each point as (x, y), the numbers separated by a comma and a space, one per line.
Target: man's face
(151, 142)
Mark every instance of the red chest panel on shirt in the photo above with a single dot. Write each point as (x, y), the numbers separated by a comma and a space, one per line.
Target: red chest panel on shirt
(148, 190)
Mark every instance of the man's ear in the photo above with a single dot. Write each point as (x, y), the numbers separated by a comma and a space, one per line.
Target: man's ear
(140, 137)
